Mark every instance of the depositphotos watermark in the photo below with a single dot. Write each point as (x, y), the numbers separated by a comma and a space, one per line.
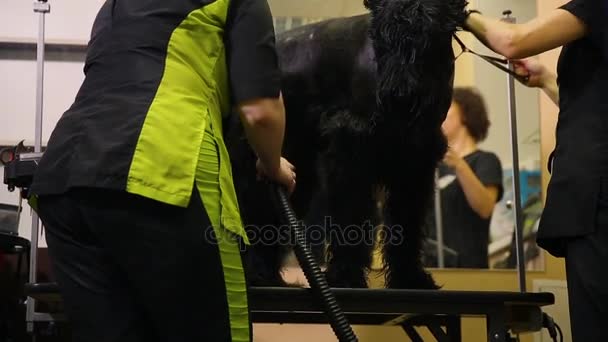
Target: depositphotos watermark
(319, 234)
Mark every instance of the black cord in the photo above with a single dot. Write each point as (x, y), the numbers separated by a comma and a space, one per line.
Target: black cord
(312, 271)
(552, 328)
(561, 334)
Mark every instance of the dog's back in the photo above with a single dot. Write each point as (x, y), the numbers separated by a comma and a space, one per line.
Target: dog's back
(326, 65)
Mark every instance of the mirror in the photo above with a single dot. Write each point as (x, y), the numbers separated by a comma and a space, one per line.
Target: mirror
(491, 85)
(486, 83)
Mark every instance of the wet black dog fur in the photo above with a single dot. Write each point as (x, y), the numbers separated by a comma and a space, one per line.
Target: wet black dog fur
(365, 97)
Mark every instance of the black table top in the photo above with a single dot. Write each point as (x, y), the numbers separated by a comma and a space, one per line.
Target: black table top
(376, 306)
(363, 300)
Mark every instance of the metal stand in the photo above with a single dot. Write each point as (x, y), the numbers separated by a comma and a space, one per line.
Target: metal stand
(521, 262)
(42, 7)
(439, 223)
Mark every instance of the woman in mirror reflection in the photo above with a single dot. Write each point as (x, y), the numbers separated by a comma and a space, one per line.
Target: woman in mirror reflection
(470, 180)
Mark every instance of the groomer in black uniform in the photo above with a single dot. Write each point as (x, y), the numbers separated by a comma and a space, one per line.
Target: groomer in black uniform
(574, 223)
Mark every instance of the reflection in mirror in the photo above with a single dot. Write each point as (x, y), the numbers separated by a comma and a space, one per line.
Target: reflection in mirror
(494, 244)
(464, 231)
(469, 183)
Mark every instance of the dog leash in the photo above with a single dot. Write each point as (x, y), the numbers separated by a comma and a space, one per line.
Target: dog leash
(500, 63)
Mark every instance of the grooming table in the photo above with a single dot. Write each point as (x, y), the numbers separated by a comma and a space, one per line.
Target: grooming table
(439, 311)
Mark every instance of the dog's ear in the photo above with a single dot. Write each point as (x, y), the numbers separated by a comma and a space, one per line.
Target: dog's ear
(459, 13)
(370, 4)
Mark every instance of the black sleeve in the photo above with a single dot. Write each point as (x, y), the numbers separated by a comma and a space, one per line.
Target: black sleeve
(252, 57)
(103, 19)
(594, 14)
(489, 171)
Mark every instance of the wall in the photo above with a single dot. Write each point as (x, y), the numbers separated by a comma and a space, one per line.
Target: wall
(69, 20)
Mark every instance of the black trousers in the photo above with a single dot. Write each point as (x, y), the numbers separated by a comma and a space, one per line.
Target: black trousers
(132, 269)
(587, 274)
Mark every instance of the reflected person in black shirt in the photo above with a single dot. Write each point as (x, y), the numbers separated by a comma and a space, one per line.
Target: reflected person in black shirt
(470, 180)
(574, 223)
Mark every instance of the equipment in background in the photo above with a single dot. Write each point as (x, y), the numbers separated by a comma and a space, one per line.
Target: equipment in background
(9, 219)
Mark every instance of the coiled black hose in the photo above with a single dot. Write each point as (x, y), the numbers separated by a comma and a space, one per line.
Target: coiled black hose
(312, 271)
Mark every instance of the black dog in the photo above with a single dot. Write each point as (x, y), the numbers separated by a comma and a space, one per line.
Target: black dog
(365, 98)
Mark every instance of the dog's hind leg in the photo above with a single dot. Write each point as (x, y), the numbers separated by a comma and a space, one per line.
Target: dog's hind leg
(351, 239)
(349, 222)
(407, 203)
(263, 265)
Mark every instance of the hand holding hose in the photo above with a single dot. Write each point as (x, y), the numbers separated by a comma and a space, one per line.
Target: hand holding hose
(284, 175)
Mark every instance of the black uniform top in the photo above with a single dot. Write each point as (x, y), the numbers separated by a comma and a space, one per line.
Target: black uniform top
(580, 162)
(463, 229)
(160, 54)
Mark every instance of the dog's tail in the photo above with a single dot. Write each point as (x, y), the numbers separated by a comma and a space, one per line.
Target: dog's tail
(413, 46)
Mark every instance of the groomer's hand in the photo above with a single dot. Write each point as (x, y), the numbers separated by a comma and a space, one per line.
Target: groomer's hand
(537, 73)
(453, 160)
(538, 76)
(285, 174)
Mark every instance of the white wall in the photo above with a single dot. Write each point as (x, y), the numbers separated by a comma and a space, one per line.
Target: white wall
(17, 113)
(18, 97)
(69, 20)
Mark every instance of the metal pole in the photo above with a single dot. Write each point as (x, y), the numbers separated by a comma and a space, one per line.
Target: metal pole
(42, 7)
(521, 267)
(439, 223)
